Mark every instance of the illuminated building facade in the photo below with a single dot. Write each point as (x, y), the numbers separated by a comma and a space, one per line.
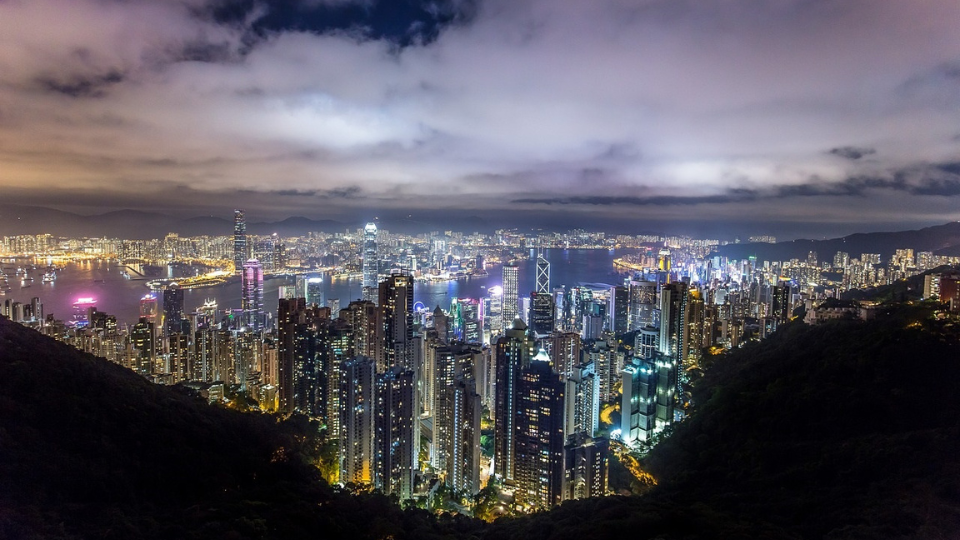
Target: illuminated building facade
(371, 263)
(510, 295)
(239, 240)
(251, 299)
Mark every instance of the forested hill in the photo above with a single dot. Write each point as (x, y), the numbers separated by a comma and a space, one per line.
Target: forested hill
(91, 450)
(849, 429)
(845, 430)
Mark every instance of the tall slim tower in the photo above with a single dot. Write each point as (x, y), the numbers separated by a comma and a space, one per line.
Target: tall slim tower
(251, 299)
(511, 287)
(397, 439)
(290, 314)
(513, 354)
(356, 420)
(370, 262)
(239, 240)
(543, 274)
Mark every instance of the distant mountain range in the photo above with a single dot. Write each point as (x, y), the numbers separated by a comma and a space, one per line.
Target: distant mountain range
(135, 224)
(940, 239)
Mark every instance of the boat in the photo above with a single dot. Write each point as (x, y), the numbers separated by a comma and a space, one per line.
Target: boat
(50, 277)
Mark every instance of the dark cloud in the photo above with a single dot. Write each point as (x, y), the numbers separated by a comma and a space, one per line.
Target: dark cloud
(737, 195)
(80, 86)
(851, 152)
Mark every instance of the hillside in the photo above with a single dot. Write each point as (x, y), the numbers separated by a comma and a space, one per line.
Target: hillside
(940, 239)
(91, 450)
(844, 430)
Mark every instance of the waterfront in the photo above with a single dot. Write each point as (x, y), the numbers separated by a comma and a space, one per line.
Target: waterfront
(117, 295)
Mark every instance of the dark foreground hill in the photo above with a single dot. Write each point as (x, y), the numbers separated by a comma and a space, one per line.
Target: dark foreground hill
(844, 430)
(91, 450)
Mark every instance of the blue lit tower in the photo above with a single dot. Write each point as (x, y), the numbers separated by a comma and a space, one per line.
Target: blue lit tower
(251, 299)
(370, 262)
(239, 240)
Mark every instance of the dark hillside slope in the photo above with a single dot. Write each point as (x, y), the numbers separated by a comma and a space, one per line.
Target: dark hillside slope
(845, 430)
(91, 450)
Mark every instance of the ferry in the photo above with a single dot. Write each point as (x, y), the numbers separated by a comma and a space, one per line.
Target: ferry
(50, 277)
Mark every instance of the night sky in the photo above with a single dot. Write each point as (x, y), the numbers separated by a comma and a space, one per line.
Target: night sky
(837, 113)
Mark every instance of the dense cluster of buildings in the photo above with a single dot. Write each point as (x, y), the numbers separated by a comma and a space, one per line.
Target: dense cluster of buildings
(405, 390)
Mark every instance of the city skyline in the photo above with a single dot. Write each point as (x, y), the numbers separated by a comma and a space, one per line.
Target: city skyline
(790, 113)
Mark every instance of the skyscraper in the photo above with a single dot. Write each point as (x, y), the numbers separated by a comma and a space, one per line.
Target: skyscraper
(513, 354)
(638, 408)
(172, 309)
(397, 441)
(585, 467)
(239, 240)
(511, 287)
(251, 299)
(539, 416)
(290, 315)
(396, 308)
(370, 262)
(619, 309)
(543, 274)
(356, 420)
(542, 313)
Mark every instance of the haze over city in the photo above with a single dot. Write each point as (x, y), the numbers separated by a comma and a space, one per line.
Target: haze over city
(817, 118)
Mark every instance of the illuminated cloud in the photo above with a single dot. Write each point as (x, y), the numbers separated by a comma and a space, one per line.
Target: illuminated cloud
(329, 107)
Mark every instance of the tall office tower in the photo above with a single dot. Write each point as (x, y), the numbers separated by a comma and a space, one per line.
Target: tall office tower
(364, 318)
(511, 286)
(694, 334)
(543, 274)
(251, 299)
(223, 356)
(643, 304)
(396, 309)
(582, 401)
(397, 439)
(371, 264)
(647, 342)
(466, 315)
(172, 309)
(514, 351)
(585, 467)
(314, 290)
(539, 436)
(542, 313)
(239, 241)
(356, 414)
(781, 302)
(663, 262)
(143, 338)
(290, 316)
(638, 405)
(619, 309)
(673, 325)
(148, 307)
(454, 362)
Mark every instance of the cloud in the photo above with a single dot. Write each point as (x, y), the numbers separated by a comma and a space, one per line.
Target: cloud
(851, 152)
(474, 105)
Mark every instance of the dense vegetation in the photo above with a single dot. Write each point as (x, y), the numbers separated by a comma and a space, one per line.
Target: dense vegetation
(849, 429)
(91, 450)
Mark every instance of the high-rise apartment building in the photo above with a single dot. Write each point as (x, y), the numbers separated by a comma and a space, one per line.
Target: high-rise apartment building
(172, 309)
(538, 451)
(514, 351)
(397, 439)
(396, 316)
(356, 425)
